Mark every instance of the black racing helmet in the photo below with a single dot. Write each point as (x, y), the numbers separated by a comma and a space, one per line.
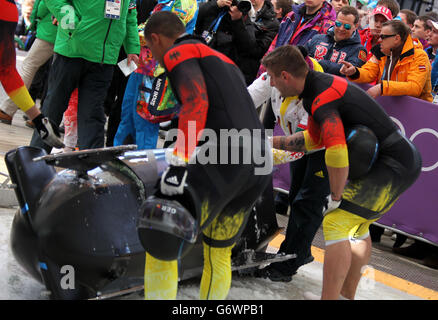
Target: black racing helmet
(167, 229)
(363, 149)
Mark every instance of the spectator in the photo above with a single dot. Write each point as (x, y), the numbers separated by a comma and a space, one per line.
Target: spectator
(370, 36)
(307, 188)
(85, 56)
(341, 43)
(408, 17)
(302, 23)
(114, 98)
(421, 30)
(432, 15)
(392, 5)
(281, 8)
(135, 125)
(236, 36)
(433, 40)
(40, 52)
(434, 75)
(338, 4)
(410, 75)
(26, 10)
(361, 4)
(299, 26)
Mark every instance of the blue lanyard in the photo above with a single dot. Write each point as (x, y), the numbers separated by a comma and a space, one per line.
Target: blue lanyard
(217, 21)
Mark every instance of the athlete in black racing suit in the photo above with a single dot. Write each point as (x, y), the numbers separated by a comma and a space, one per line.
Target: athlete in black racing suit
(334, 105)
(214, 104)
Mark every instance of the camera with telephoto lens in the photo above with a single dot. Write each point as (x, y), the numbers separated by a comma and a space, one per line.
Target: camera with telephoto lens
(244, 6)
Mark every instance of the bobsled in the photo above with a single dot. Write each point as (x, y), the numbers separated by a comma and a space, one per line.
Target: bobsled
(76, 228)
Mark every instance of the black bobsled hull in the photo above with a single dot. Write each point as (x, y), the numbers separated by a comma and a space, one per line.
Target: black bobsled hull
(76, 230)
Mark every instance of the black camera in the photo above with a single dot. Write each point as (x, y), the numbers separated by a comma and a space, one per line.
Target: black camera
(244, 6)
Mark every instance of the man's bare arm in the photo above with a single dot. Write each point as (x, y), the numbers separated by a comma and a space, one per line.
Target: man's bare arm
(294, 142)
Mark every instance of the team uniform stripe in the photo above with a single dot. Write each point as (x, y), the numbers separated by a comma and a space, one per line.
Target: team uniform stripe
(184, 52)
(336, 91)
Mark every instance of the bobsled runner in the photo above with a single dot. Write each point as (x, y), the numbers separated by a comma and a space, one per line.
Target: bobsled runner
(76, 229)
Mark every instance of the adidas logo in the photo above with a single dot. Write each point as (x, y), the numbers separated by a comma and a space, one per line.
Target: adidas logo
(173, 180)
(319, 174)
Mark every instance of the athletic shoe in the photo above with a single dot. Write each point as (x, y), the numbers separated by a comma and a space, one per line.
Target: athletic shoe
(274, 274)
(5, 118)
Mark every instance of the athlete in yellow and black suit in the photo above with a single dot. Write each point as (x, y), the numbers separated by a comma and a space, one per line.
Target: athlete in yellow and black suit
(212, 93)
(334, 105)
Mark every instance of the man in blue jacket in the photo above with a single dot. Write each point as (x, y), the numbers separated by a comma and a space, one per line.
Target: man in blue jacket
(341, 43)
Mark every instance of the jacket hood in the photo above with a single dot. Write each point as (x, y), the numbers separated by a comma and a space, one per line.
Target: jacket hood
(354, 39)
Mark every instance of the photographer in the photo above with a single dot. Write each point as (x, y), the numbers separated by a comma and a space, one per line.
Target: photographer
(227, 27)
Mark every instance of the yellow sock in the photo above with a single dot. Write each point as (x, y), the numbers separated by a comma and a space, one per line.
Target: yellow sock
(160, 279)
(216, 276)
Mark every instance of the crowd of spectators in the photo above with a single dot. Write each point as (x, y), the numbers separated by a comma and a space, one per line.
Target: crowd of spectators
(393, 50)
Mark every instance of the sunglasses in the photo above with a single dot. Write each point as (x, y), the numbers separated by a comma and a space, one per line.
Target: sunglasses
(339, 24)
(384, 36)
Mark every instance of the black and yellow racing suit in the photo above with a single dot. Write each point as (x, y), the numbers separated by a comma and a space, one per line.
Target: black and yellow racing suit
(333, 105)
(213, 96)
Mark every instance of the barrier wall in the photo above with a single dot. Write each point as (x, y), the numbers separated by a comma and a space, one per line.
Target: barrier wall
(416, 211)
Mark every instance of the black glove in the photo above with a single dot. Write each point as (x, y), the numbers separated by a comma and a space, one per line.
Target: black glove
(48, 131)
(173, 180)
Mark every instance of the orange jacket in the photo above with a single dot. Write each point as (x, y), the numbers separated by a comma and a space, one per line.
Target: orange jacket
(411, 75)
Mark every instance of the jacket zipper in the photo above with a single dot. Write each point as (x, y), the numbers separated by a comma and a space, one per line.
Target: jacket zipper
(389, 68)
(104, 41)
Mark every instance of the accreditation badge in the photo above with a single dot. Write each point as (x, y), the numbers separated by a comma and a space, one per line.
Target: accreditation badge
(112, 9)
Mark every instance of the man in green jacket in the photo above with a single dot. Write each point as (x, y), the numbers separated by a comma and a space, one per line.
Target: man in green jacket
(39, 53)
(89, 38)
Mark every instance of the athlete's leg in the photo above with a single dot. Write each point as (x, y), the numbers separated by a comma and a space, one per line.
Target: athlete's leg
(9, 77)
(337, 260)
(219, 239)
(221, 235)
(216, 276)
(160, 279)
(39, 53)
(360, 255)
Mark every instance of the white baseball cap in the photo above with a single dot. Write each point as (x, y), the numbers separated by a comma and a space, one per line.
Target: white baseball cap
(433, 24)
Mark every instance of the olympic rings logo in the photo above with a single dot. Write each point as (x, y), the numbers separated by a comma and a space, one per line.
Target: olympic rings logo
(414, 135)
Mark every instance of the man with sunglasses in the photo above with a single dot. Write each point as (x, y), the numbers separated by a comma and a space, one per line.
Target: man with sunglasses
(341, 43)
(399, 65)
